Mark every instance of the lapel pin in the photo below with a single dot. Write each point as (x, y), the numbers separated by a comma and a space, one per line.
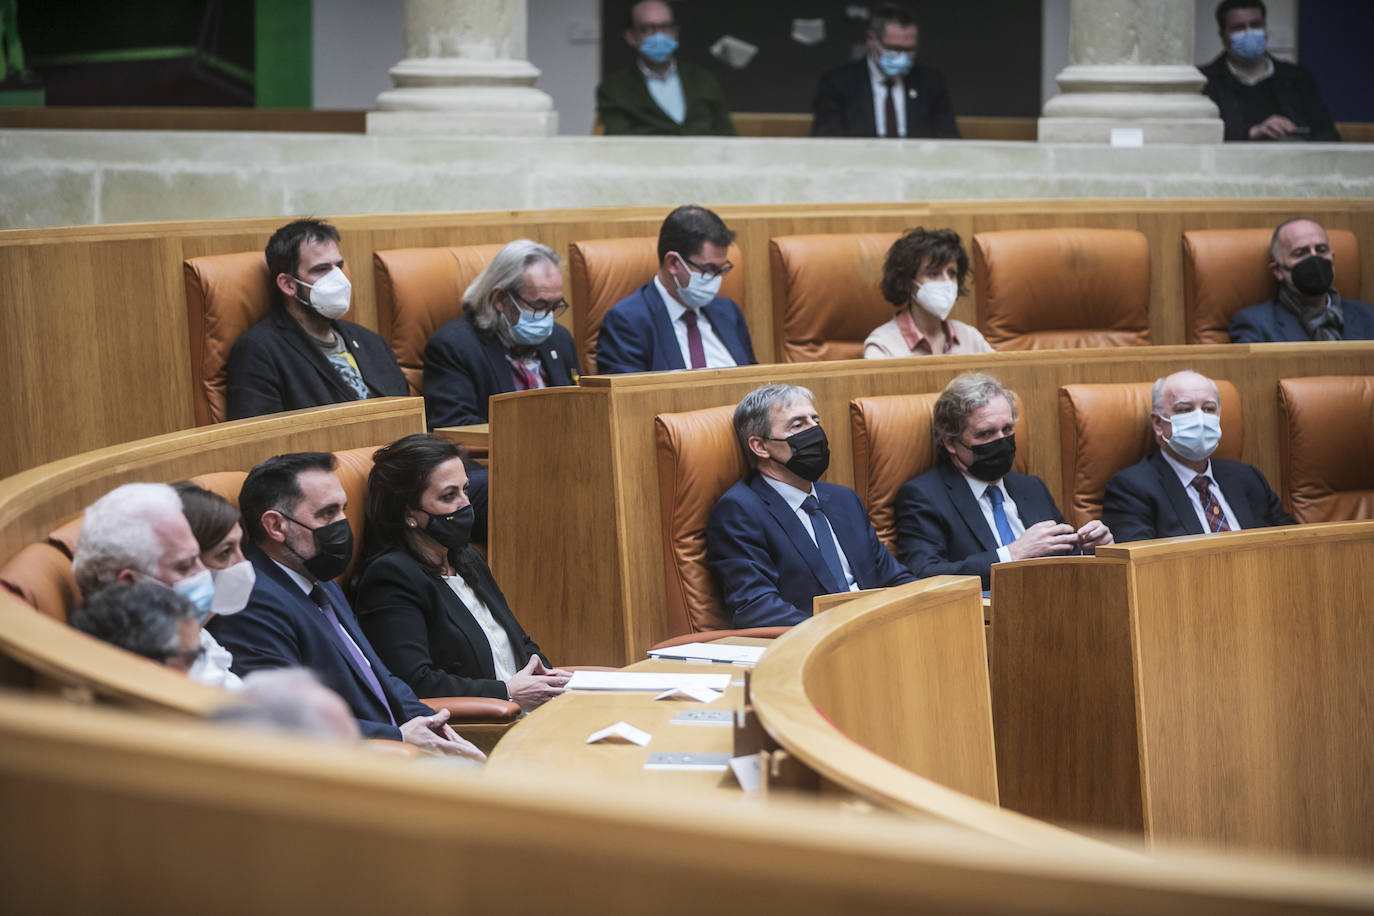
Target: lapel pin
(553, 354)
(911, 93)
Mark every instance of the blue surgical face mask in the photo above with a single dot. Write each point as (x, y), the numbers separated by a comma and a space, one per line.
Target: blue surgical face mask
(1249, 44)
(1195, 434)
(895, 63)
(199, 590)
(658, 47)
(529, 330)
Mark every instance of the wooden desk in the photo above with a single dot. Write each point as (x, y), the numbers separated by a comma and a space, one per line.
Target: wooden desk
(478, 435)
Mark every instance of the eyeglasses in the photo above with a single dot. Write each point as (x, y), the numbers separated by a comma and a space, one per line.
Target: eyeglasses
(707, 271)
(187, 657)
(538, 308)
(649, 28)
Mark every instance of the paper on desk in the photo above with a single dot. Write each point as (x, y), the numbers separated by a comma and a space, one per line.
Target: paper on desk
(733, 51)
(808, 31)
(713, 651)
(700, 694)
(621, 730)
(748, 771)
(644, 680)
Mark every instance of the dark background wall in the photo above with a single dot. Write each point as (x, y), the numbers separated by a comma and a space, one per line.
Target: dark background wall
(1333, 38)
(989, 50)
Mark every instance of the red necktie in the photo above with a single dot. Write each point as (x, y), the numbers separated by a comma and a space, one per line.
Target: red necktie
(890, 112)
(1211, 507)
(694, 348)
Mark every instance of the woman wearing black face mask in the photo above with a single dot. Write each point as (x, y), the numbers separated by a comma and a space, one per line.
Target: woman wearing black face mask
(426, 599)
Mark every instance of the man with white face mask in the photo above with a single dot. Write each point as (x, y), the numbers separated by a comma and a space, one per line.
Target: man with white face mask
(923, 276)
(677, 320)
(303, 354)
(1180, 489)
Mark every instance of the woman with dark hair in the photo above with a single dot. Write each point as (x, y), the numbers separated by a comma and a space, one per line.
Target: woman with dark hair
(923, 277)
(425, 598)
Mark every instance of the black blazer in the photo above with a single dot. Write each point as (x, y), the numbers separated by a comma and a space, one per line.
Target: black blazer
(282, 628)
(941, 529)
(843, 106)
(276, 366)
(1296, 97)
(427, 636)
(1147, 500)
(464, 367)
(1269, 322)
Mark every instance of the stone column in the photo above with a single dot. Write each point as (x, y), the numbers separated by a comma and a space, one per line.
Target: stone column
(1130, 65)
(464, 72)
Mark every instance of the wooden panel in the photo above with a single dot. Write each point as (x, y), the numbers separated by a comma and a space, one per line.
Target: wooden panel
(295, 120)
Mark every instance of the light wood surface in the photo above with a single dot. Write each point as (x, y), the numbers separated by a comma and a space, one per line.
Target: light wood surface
(477, 435)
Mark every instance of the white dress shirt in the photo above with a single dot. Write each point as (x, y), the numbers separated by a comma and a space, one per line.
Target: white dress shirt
(212, 667)
(666, 91)
(979, 489)
(717, 357)
(880, 90)
(794, 499)
(1185, 476)
(502, 655)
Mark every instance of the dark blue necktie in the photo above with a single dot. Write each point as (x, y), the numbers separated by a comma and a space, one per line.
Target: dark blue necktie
(825, 541)
(999, 515)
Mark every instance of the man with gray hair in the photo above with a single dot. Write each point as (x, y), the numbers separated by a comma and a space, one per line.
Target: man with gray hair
(1179, 488)
(778, 538)
(137, 532)
(972, 510)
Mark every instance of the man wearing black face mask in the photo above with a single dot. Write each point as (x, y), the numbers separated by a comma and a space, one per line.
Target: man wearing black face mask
(971, 510)
(777, 539)
(1306, 307)
(293, 514)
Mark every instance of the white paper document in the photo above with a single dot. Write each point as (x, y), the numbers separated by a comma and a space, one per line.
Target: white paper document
(748, 771)
(645, 680)
(712, 651)
(808, 31)
(700, 694)
(733, 51)
(621, 730)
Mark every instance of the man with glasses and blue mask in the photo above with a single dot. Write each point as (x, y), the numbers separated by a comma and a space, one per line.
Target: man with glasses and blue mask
(1260, 97)
(677, 320)
(1180, 489)
(885, 93)
(303, 354)
(660, 94)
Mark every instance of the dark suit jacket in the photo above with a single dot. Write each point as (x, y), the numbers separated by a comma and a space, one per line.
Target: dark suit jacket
(276, 366)
(637, 335)
(1270, 322)
(940, 526)
(282, 628)
(843, 106)
(1147, 500)
(427, 636)
(464, 367)
(624, 106)
(767, 566)
(1296, 97)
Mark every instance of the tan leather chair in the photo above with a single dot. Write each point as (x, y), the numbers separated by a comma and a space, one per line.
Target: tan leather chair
(892, 445)
(418, 291)
(226, 294)
(1226, 270)
(41, 575)
(1105, 428)
(1046, 289)
(604, 271)
(826, 293)
(1326, 447)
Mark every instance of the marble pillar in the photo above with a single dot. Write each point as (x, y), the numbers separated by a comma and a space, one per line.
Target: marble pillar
(1130, 65)
(464, 73)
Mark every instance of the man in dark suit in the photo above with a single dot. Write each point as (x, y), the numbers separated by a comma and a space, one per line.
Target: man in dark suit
(293, 512)
(677, 320)
(1179, 489)
(971, 510)
(303, 354)
(777, 539)
(885, 93)
(1307, 306)
(660, 94)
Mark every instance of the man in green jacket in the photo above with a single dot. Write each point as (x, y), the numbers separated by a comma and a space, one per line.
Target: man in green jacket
(660, 95)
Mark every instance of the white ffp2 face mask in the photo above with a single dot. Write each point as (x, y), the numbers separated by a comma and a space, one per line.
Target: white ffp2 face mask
(938, 297)
(329, 295)
(233, 585)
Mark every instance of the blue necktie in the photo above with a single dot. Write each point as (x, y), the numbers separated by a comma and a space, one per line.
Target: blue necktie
(999, 515)
(826, 542)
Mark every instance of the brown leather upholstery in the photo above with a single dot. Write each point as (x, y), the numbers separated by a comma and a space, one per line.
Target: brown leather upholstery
(474, 709)
(698, 460)
(1105, 428)
(892, 445)
(354, 466)
(224, 483)
(1226, 270)
(826, 293)
(226, 294)
(1326, 447)
(604, 271)
(1045, 289)
(418, 290)
(41, 575)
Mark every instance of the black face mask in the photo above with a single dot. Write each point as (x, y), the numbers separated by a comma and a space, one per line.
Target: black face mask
(810, 453)
(992, 460)
(452, 531)
(333, 549)
(1313, 275)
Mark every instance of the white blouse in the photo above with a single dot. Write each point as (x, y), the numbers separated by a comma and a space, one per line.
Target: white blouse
(502, 655)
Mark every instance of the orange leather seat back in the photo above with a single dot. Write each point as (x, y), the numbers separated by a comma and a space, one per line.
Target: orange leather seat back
(418, 291)
(698, 460)
(1105, 428)
(1326, 447)
(226, 294)
(353, 467)
(1046, 289)
(826, 294)
(604, 271)
(223, 483)
(1226, 270)
(892, 445)
(41, 575)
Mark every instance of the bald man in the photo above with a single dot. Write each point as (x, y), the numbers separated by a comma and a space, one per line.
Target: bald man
(1180, 489)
